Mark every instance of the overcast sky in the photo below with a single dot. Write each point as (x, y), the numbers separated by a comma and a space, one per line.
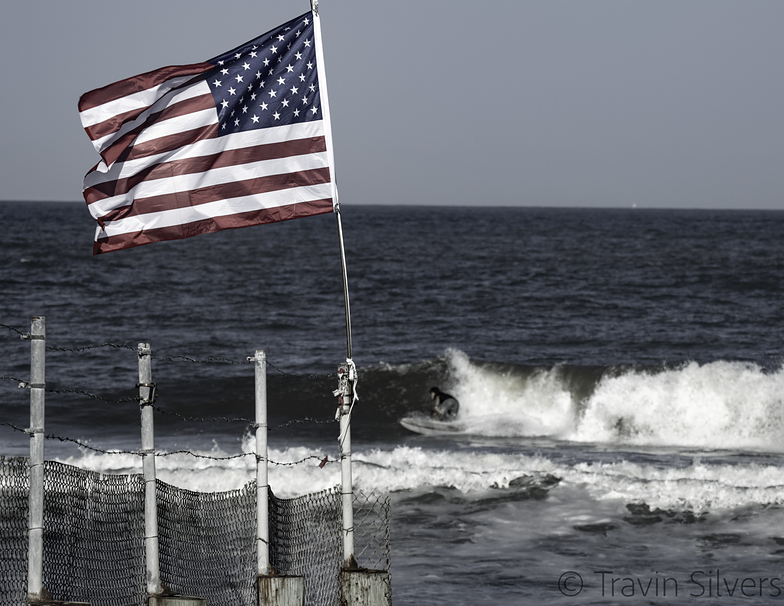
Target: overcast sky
(603, 103)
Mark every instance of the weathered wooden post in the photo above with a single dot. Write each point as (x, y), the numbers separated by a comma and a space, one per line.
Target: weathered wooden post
(273, 589)
(36, 496)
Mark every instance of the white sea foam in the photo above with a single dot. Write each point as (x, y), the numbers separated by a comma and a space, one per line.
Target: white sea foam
(700, 486)
(724, 405)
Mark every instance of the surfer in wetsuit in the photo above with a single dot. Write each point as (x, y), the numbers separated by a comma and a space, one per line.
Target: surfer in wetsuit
(446, 406)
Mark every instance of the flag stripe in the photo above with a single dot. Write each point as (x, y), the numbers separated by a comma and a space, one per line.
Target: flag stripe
(207, 147)
(218, 192)
(213, 224)
(102, 131)
(253, 158)
(162, 145)
(139, 91)
(217, 208)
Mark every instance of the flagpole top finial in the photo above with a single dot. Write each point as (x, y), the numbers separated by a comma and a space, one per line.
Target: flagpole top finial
(314, 6)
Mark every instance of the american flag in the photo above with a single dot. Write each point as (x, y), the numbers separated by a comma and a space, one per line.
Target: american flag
(235, 141)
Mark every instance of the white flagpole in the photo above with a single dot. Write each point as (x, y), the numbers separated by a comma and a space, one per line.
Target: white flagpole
(346, 375)
(331, 159)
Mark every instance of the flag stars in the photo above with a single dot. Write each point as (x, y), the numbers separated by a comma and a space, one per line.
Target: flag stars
(292, 94)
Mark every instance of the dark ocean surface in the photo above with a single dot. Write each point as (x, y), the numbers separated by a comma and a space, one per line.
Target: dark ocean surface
(619, 372)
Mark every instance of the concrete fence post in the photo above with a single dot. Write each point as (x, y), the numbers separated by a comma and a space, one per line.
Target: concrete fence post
(262, 474)
(146, 399)
(345, 393)
(36, 431)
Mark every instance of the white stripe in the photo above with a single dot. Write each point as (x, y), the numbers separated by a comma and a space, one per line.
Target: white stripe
(206, 147)
(139, 100)
(172, 97)
(215, 176)
(177, 125)
(220, 208)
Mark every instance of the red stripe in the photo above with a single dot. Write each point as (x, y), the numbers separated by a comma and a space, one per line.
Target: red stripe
(181, 108)
(178, 232)
(223, 191)
(124, 151)
(129, 86)
(189, 166)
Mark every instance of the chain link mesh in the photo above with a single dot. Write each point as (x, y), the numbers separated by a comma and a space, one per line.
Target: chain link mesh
(372, 535)
(13, 530)
(207, 543)
(94, 538)
(305, 539)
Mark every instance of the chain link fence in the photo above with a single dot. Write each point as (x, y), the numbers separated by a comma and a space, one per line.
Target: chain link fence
(14, 487)
(94, 538)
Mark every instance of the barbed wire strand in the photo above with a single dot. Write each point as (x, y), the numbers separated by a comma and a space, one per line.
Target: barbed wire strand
(80, 444)
(172, 358)
(23, 383)
(16, 330)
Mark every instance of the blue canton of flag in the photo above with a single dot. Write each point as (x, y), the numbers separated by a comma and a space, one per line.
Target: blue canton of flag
(269, 81)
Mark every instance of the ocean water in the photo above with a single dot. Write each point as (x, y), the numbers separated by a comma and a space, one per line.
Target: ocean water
(620, 374)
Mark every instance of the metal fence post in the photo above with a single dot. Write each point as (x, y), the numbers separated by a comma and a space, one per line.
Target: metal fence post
(262, 476)
(36, 431)
(146, 399)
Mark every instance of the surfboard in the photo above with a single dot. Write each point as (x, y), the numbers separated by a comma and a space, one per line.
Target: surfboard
(429, 426)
